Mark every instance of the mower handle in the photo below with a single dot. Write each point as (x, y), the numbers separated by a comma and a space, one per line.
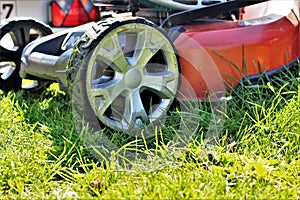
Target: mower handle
(175, 5)
(211, 11)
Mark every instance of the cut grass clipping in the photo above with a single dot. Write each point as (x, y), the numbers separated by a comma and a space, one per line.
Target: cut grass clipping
(257, 157)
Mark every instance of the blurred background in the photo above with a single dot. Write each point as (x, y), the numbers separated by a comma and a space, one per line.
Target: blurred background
(56, 13)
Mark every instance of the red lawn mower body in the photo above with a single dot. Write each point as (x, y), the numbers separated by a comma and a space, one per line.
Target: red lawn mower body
(217, 56)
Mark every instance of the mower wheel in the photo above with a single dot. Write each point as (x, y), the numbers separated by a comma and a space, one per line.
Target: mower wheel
(126, 77)
(15, 34)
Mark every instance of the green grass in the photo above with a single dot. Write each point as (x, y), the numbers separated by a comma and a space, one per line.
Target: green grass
(41, 156)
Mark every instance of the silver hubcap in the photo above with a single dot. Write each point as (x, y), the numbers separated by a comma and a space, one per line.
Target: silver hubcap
(132, 77)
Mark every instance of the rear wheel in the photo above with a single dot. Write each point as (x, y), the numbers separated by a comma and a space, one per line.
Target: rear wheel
(15, 34)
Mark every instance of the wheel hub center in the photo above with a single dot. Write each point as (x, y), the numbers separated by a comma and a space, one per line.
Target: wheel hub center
(133, 78)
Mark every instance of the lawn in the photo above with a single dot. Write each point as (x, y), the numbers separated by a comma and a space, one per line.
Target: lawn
(257, 157)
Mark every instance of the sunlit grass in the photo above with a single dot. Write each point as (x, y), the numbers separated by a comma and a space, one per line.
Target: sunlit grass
(41, 155)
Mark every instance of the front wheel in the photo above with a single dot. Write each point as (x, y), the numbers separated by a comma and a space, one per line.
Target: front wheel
(125, 80)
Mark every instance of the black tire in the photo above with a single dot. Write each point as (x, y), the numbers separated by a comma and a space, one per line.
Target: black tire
(19, 32)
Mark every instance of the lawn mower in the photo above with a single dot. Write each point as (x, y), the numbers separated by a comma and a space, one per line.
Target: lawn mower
(130, 67)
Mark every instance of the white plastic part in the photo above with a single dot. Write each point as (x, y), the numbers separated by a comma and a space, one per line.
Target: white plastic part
(30, 85)
(277, 7)
(8, 70)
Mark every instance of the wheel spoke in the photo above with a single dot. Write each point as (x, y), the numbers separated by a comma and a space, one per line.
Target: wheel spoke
(7, 55)
(112, 51)
(102, 105)
(105, 93)
(161, 83)
(134, 110)
(22, 35)
(148, 44)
